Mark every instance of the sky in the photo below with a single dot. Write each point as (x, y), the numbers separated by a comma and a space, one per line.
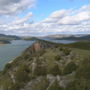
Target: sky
(44, 17)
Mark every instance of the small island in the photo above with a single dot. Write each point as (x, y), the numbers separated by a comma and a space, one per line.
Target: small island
(2, 42)
(6, 39)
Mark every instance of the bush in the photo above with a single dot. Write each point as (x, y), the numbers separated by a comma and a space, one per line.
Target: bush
(40, 70)
(55, 86)
(78, 85)
(55, 70)
(58, 57)
(70, 68)
(16, 86)
(83, 71)
(8, 66)
(6, 84)
(61, 49)
(41, 85)
(66, 51)
(22, 74)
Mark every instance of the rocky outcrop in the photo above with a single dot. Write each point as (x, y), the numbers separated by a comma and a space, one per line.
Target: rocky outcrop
(39, 46)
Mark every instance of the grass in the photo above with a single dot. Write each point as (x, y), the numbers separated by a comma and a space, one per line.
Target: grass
(50, 57)
(85, 45)
(82, 53)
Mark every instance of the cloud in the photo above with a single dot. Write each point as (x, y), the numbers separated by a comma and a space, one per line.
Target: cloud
(8, 7)
(69, 16)
(23, 20)
(57, 15)
(75, 19)
(62, 21)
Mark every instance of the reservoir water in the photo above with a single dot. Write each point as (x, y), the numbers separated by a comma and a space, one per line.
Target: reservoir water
(10, 51)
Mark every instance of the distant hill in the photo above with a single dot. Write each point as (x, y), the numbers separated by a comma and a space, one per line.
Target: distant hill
(30, 38)
(87, 37)
(4, 42)
(70, 37)
(85, 45)
(9, 37)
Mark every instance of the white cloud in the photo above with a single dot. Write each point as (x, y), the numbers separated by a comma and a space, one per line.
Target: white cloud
(85, 7)
(61, 21)
(23, 20)
(57, 15)
(75, 19)
(8, 7)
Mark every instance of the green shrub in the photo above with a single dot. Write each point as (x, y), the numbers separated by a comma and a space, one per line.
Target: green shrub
(70, 68)
(55, 70)
(78, 85)
(58, 57)
(8, 66)
(41, 85)
(22, 74)
(61, 49)
(16, 86)
(40, 70)
(66, 51)
(6, 84)
(55, 86)
(83, 71)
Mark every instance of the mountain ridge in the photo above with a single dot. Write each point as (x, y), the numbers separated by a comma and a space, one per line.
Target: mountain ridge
(69, 37)
(9, 37)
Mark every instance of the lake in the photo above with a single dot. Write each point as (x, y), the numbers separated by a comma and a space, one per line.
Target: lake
(10, 51)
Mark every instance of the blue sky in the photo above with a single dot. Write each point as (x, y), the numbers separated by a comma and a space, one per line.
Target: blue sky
(43, 17)
(45, 7)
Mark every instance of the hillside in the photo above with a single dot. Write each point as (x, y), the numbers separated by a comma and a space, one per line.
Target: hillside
(47, 66)
(80, 45)
(79, 37)
(29, 38)
(4, 42)
(9, 37)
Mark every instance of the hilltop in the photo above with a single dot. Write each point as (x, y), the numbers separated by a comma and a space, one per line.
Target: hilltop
(47, 66)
